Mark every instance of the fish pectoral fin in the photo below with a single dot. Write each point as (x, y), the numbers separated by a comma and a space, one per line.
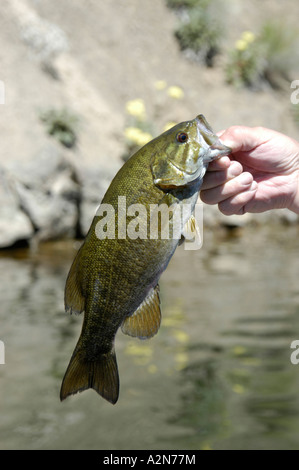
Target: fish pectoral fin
(73, 298)
(191, 230)
(145, 321)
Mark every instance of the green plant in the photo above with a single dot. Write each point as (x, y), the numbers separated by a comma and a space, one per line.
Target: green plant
(200, 28)
(265, 57)
(244, 64)
(176, 4)
(61, 124)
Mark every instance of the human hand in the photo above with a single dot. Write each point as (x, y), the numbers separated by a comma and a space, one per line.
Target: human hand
(262, 174)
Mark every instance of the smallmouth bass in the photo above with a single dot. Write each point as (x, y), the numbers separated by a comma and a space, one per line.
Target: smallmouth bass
(114, 279)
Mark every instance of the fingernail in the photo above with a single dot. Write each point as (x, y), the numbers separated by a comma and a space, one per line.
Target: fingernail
(245, 178)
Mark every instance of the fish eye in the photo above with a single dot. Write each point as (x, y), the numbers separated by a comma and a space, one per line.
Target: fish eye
(182, 137)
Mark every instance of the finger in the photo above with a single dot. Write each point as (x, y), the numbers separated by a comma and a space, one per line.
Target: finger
(228, 189)
(242, 138)
(237, 204)
(219, 164)
(216, 178)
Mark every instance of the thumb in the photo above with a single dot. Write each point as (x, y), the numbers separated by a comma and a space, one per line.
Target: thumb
(239, 138)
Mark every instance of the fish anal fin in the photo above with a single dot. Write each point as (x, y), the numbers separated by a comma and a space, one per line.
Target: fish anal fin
(145, 321)
(73, 297)
(100, 374)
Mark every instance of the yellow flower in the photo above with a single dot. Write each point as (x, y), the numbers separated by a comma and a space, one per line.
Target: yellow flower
(239, 350)
(160, 84)
(152, 368)
(137, 136)
(241, 45)
(238, 388)
(136, 108)
(181, 360)
(181, 336)
(248, 36)
(175, 92)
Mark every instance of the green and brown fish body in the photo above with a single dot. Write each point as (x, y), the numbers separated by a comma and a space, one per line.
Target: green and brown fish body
(114, 276)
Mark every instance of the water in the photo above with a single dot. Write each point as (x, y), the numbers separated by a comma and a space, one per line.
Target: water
(217, 376)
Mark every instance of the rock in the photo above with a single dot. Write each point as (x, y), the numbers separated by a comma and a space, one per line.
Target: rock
(49, 193)
(41, 169)
(52, 216)
(45, 39)
(14, 224)
(55, 198)
(94, 183)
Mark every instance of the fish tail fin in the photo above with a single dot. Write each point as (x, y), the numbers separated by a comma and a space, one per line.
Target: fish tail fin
(100, 374)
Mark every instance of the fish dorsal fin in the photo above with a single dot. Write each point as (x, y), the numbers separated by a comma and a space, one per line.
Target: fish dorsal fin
(73, 297)
(145, 321)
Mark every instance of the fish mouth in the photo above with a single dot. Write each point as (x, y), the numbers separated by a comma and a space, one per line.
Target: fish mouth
(206, 136)
(211, 147)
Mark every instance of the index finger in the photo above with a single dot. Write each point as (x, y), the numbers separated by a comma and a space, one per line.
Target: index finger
(220, 164)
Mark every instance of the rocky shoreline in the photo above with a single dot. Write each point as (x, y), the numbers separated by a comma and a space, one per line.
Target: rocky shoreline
(50, 197)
